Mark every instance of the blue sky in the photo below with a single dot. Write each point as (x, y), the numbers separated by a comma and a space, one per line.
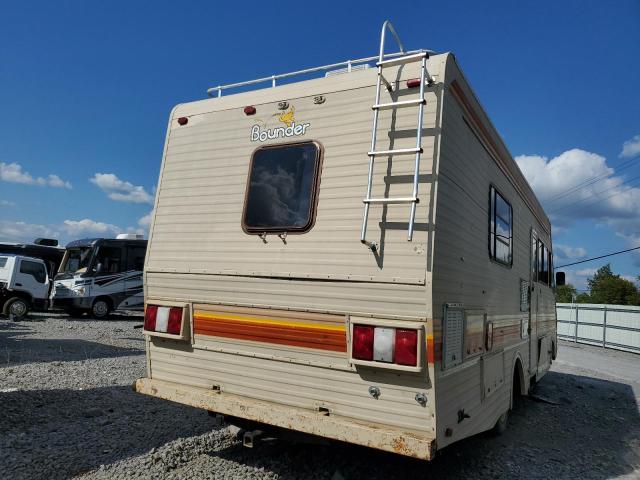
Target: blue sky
(86, 89)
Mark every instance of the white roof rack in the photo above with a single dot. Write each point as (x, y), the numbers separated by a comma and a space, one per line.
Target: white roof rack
(348, 64)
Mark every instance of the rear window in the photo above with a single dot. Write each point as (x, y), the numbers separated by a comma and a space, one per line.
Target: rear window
(281, 188)
(3, 261)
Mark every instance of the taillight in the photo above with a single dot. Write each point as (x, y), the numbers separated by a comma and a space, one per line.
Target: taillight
(175, 321)
(385, 344)
(406, 347)
(362, 342)
(413, 83)
(163, 319)
(150, 318)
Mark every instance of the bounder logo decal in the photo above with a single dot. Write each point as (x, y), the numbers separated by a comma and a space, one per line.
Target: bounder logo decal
(290, 128)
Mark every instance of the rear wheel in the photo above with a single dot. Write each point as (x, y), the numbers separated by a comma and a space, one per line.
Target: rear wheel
(16, 308)
(101, 308)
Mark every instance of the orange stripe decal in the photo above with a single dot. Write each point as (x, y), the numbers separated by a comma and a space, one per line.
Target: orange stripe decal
(297, 334)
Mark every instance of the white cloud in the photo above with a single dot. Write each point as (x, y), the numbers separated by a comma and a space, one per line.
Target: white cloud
(580, 185)
(631, 147)
(586, 272)
(7, 203)
(13, 173)
(86, 226)
(569, 253)
(145, 222)
(56, 181)
(11, 231)
(120, 190)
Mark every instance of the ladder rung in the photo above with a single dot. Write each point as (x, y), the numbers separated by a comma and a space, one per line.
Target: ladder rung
(405, 103)
(399, 151)
(391, 200)
(402, 60)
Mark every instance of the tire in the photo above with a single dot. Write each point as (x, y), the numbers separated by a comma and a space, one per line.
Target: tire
(100, 309)
(16, 307)
(501, 425)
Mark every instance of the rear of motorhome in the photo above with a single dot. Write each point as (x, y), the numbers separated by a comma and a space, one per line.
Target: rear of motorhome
(99, 275)
(356, 257)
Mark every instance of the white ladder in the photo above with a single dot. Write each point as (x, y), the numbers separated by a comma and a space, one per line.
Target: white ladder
(422, 57)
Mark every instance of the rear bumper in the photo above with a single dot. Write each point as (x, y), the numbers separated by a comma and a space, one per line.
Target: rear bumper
(315, 423)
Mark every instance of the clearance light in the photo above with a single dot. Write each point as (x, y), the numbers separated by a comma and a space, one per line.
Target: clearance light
(385, 344)
(249, 110)
(163, 319)
(413, 83)
(183, 120)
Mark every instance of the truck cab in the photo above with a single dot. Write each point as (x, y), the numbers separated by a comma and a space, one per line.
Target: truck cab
(24, 285)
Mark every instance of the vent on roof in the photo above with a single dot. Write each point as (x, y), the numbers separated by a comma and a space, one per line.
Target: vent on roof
(340, 71)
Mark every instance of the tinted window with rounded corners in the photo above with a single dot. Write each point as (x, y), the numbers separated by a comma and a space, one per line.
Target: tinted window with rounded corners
(3, 261)
(36, 270)
(281, 188)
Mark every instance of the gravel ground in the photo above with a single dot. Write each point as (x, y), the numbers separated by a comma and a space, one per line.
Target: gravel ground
(68, 410)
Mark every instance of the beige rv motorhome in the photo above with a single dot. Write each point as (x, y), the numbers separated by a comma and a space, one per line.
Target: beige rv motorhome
(355, 256)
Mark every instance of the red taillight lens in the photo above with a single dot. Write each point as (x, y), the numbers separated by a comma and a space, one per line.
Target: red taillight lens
(150, 314)
(250, 110)
(183, 120)
(413, 82)
(362, 342)
(406, 347)
(175, 321)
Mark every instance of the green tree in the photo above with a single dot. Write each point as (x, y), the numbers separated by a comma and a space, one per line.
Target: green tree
(584, 298)
(565, 293)
(607, 287)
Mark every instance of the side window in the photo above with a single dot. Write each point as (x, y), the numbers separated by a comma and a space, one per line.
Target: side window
(109, 260)
(534, 259)
(544, 264)
(3, 261)
(135, 258)
(36, 270)
(500, 229)
(281, 188)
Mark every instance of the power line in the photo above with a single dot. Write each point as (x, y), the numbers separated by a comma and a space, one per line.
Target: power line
(597, 195)
(597, 258)
(590, 181)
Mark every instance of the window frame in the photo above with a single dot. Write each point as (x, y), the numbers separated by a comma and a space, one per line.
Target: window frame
(493, 237)
(315, 187)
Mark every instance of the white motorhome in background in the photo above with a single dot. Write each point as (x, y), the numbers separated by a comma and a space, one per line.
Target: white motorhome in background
(24, 285)
(99, 275)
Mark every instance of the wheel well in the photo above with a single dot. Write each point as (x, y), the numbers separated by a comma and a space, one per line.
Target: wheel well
(518, 380)
(23, 295)
(106, 299)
